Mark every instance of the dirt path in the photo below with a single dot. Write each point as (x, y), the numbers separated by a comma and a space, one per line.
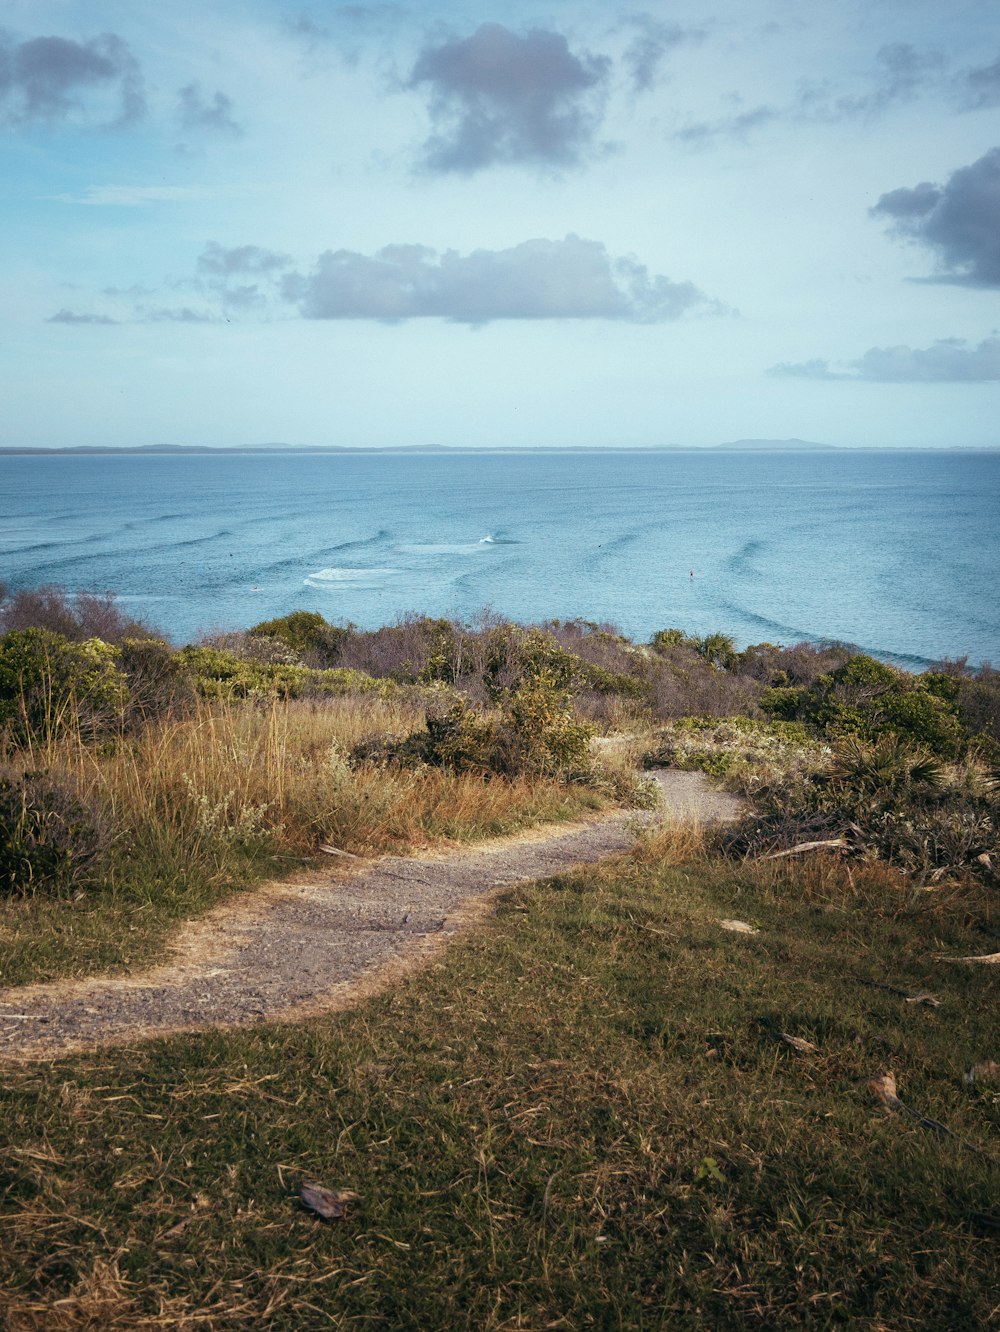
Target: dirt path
(296, 949)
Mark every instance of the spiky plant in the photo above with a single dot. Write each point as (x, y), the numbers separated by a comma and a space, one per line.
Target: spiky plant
(887, 764)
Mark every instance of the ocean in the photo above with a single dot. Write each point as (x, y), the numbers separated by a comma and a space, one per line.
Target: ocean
(895, 551)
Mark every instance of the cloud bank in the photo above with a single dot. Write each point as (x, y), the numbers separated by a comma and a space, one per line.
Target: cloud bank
(538, 279)
(949, 361)
(54, 79)
(497, 97)
(958, 221)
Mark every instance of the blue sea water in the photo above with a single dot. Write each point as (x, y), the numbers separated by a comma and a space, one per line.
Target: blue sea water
(898, 552)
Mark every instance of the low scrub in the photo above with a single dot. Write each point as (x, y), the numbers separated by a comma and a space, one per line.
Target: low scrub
(50, 686)
(222, 674)
(49, 837)
(742, 751)
(886, 801)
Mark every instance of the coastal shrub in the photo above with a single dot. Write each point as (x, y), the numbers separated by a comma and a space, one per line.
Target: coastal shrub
(49, 838)
(718, 650)
(533, 731)
(307, 634)
(249, 646)
(159, 680)
(742, 750)
(884, 800)
(977, 698)
(49, 685)
(797, 665)
(77, 617)
(220, 674)
(866, 698)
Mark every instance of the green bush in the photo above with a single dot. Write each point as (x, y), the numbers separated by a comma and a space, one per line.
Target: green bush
(48, 838)
(868, 699)
(306, 633)
(49, 685)
(533, 732)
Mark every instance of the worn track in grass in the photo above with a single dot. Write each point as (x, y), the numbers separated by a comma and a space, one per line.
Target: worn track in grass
(294, 949)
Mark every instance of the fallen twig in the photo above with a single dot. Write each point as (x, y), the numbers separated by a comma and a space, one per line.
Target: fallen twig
(807, 846)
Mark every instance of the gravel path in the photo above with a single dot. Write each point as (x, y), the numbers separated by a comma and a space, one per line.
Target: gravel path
(295, 949)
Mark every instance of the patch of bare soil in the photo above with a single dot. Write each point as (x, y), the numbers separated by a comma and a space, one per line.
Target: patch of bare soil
(295, 949)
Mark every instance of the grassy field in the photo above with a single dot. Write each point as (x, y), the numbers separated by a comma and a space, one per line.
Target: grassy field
(583, 1116)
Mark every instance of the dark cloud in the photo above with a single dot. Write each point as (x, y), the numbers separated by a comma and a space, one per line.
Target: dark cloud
(652, 42)
(71, 317)
(959, 221)
(949, 361)
(54, 79)
(538, 279)
(980, 88)
(497, 97)
(198, 112)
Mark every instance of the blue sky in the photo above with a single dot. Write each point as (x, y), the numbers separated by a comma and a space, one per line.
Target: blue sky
(562, 224)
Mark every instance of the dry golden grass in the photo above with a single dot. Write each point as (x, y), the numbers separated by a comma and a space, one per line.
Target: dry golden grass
(241, 772)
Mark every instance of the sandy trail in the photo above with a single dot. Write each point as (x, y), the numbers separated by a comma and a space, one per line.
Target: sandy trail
(294, 949)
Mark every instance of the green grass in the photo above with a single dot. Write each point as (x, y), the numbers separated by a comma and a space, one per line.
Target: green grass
(578, 1117)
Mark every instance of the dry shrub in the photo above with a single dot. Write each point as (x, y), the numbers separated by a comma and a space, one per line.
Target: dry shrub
(78, 618)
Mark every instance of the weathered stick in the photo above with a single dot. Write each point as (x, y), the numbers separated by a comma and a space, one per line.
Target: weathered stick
(805, 846)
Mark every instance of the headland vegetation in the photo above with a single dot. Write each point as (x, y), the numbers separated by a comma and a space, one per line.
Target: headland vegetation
(736, 1076)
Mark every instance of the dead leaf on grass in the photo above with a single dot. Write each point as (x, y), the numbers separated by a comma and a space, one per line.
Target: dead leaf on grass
(330, 1204)
(798, 1043)
(883, 1087)
(737, 926)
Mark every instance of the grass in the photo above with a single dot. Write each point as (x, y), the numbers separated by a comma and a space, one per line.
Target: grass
(238, 792)
(579, 1117)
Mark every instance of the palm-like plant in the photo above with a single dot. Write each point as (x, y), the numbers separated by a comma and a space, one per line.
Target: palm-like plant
(887, 764)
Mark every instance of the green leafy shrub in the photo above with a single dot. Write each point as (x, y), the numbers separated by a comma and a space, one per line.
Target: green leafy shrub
(49, 685)
(308, 634)
(49, 839)
(868, 699)
(532, 732)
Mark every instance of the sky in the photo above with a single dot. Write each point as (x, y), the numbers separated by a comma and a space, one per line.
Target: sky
(243, 222)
